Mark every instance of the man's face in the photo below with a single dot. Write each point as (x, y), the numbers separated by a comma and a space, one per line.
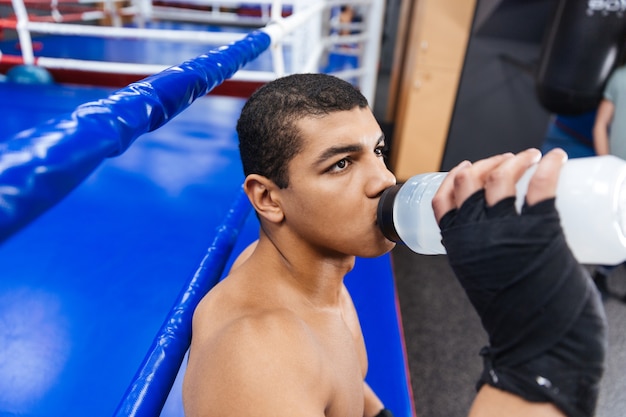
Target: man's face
(335, 184)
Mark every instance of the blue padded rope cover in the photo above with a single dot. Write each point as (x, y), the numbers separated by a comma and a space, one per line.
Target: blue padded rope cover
(148, 391)
(39, 166)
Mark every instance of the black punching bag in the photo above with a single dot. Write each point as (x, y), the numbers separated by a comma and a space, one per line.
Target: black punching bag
(582, 45)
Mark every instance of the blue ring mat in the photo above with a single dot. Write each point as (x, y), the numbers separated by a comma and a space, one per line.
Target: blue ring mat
(86, 286)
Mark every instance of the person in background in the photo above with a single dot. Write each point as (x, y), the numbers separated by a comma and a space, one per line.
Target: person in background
(609, 130)
(572, 133)
(346, 17)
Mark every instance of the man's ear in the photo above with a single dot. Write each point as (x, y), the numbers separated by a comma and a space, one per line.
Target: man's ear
(263, 194)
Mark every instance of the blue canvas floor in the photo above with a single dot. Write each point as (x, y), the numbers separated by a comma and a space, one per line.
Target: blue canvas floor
(85, 288)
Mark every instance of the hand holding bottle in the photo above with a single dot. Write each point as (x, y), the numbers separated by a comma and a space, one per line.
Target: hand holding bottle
(590, 199)
(538, 305)
(498, 176)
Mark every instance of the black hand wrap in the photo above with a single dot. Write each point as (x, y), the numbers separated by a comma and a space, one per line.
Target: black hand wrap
(543, 315)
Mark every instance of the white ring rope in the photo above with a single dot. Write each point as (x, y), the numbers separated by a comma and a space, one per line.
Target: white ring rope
(131, 69)
(216, 38)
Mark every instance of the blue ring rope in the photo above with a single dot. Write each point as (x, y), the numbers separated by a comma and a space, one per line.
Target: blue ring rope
(149, 389)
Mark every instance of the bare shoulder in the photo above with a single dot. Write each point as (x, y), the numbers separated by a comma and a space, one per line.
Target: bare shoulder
(267, 363)
(244, 255)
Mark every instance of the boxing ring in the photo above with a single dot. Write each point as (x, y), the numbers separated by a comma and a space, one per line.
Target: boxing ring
(119, 210)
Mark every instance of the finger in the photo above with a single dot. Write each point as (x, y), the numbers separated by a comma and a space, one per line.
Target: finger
(472, 179)
(500, 181)
(461, 182)
(544, 181)
(443, 200)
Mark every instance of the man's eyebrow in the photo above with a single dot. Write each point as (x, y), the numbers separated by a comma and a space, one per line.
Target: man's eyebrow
(337, 150)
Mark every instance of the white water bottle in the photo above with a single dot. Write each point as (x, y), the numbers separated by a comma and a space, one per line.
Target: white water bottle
(590, 198)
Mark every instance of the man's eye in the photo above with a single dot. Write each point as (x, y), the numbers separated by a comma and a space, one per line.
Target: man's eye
(381, 151)
(340, 165)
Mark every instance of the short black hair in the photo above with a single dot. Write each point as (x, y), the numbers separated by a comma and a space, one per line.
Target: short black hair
(268, 137)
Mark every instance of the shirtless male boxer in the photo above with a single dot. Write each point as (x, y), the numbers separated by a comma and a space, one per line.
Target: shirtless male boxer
(280, 335)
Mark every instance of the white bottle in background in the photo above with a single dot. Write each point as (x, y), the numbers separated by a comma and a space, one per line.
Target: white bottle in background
(590, 198)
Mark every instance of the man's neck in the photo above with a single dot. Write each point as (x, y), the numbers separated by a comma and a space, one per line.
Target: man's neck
(318, 277)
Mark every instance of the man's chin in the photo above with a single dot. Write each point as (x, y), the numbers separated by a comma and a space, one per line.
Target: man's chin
(383, 250)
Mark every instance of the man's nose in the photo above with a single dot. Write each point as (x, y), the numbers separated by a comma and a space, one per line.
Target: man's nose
(381, 179)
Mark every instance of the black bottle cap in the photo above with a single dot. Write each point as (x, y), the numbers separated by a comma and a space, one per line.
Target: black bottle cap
(384, 214)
